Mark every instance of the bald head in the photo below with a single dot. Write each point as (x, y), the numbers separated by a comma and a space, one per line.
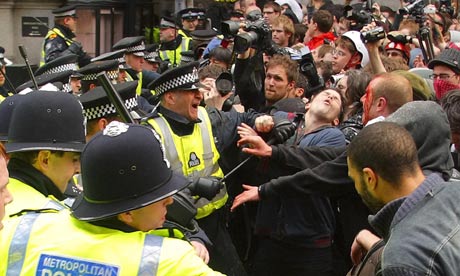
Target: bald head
(395, 88)
(384, 95)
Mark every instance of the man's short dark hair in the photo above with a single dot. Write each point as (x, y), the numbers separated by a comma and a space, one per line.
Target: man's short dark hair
(291, 66)
(386, 148)
(210, 71)
(450, 102)
(30, 157)
(324, 20)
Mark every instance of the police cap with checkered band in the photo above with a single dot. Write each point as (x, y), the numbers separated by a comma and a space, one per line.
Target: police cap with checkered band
(184, 77)
(91, 70)
(96, 103)
(47, 120)
(118, 55)
(124, 168)
(132, 44)
(61, 77)
(60, 64)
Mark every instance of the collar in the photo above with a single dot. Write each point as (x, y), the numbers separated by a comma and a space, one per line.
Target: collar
(396, 210)
(29, 175)
(171, 45)
(65, 31)
(178, 123)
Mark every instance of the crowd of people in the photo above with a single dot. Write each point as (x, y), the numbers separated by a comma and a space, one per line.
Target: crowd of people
(140, 161)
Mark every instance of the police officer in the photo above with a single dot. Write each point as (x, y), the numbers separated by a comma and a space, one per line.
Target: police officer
(45, 138)
(5, 195)
(127, 186)
(99, 111)
(65, 65)
(89, 73)
(53, 75)
(134, 56)
(189, 19)
(60, 40)
(193, 137)
(172, 43)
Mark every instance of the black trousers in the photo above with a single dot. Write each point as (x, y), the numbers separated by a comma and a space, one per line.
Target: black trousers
(275, 258)
(222, 255)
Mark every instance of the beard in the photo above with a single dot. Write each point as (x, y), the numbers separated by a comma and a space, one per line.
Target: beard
(369, 200)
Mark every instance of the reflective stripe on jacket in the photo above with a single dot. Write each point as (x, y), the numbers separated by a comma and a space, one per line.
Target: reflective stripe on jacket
(50, 32)
(58, 244)
(168, 55)
(194, 155)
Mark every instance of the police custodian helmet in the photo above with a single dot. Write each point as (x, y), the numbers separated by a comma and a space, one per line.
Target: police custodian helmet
(124, 168)
(47, 120)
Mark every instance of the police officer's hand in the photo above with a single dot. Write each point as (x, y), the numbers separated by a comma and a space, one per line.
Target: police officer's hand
(251, 193)
(201, 251)
(76, 48)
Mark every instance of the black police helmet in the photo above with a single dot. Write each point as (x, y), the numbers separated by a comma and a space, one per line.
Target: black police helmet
(124, 168)
(47, 120)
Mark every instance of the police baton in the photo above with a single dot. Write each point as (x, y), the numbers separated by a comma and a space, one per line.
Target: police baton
(115, 98)
(23, 52)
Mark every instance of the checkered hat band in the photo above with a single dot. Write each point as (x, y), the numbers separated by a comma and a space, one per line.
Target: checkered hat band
(113, 75)
(137, 48)
(107, 109)
(62, 68)
(67, 88)
(180, 81)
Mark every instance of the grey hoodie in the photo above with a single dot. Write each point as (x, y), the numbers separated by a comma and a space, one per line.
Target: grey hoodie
(429, 126)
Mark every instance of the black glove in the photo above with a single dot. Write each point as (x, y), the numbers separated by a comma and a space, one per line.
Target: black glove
(282, 131)
(76, 48)
(207, 187)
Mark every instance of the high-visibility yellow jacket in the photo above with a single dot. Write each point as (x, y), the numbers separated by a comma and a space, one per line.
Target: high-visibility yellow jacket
(193, 155)
(58, 244)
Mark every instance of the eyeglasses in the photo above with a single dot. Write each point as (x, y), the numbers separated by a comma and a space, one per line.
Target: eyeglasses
(441, 76)
(338, 52)
(268, 12)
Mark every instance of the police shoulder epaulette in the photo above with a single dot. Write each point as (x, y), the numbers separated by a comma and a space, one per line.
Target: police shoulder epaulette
(53, 36)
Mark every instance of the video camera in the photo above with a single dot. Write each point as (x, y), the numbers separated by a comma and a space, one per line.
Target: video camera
(445, 6)
(359, 18)
(308, 69)
(258, 33)
(416, 10)
(373, 35)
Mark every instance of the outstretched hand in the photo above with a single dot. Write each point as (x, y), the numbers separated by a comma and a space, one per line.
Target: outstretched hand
(251, 193)
(257, 146)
